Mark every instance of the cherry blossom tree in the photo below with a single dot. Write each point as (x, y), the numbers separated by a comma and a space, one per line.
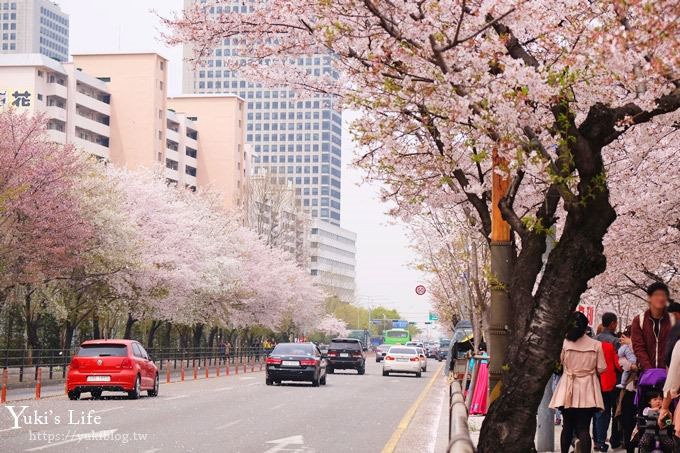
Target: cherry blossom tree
(549, 91)
(330, 325)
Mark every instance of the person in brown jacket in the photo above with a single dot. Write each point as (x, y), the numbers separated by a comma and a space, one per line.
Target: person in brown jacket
(650, 329)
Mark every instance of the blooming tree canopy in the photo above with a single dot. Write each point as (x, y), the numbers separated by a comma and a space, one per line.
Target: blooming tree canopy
(552, 92)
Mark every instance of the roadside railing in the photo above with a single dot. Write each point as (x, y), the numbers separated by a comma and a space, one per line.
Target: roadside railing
(23, 366)
(462, 379)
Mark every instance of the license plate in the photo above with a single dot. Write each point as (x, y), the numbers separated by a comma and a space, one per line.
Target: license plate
(344, 354)
(98, 378)
(290, 363)
(402, 360)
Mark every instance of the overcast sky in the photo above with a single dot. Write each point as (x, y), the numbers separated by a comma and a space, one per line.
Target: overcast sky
(383, 273)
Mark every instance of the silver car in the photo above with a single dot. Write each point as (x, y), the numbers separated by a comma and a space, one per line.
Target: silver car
(381, 352)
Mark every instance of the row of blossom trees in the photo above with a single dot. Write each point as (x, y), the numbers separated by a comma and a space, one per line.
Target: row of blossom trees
(81, 241)
(553, 94)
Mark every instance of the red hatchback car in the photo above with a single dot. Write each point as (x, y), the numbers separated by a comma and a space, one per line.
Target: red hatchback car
(113, 366)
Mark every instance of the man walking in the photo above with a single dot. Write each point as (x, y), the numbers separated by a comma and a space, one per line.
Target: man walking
(608, 381)
(650, 329)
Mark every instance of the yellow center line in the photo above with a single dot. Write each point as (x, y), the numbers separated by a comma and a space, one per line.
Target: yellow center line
(408, 416)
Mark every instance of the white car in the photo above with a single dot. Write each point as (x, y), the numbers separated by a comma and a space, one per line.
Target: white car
(402, 359)
(423, 359)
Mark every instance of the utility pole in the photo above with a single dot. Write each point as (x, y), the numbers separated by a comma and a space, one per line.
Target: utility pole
(501, 252)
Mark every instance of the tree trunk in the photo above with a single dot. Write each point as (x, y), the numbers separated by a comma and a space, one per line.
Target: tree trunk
(211, 337)
(69, 328)
(541, 322)
(96, 332)
(128, 327)
(152, 333)
(166, 335)
(183, 337)
(198, 335)
(31, 322)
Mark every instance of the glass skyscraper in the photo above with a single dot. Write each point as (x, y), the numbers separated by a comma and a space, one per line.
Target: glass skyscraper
(294, 140)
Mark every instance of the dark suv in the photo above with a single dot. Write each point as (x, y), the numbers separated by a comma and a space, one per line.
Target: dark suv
(346, 354)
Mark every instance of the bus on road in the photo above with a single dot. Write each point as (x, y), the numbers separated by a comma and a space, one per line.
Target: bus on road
(397, 336)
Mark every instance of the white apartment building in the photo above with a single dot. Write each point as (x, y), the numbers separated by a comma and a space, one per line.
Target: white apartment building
(333, 259)
(181, 152)
(34, 26)
(76, 105)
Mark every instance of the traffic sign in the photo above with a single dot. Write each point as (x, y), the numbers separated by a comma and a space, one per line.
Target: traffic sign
(420, 290)
(433, 316)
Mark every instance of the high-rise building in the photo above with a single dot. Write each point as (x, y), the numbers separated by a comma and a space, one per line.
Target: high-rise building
(33, 26)
(295, 140)
(333, 259)
(118, 112)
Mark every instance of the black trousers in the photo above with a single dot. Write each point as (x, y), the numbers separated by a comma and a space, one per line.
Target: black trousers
(576, 422)
(628, 411)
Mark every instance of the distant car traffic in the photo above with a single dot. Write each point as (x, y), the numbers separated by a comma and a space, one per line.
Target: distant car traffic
(346, 354)
(415, 344)
(381, 352)
(111, 366)
(402, 359)
(296, 362)
(423, 359)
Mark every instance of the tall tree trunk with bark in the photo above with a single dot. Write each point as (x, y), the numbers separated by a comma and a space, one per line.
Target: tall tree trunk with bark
(152, 333)
(198, 335)
(128, 327)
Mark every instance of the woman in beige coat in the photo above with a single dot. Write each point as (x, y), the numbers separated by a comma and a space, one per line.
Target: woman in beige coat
(578, 395)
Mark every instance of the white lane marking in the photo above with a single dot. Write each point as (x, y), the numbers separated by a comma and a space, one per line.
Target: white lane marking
(434, 428)
(246, 378)
(278, 406)
(9, 429)
(394, 380)
(108, 410)
(153, 450)
(77, 438)
(282, 444)
(254, 383)
(222, 389)
(228, 424)
(175, 397)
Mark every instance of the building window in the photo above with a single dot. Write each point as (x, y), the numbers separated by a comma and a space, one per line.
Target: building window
(171, 164)
(191, 171)
(191, 152)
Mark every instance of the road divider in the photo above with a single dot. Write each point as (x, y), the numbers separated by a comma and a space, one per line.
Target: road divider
(3, 391)
(38, 384)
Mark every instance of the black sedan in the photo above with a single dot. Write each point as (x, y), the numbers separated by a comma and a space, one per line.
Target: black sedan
(296, 362)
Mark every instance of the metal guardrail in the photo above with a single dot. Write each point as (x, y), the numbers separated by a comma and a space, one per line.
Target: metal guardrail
(459, 434)
(54, 362)
(460, 378)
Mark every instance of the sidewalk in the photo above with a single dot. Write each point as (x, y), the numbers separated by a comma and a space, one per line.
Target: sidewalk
(475, 423)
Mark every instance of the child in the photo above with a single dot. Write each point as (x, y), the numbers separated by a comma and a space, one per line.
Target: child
(652, 433)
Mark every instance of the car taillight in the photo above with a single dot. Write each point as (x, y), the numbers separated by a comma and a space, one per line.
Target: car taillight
(126, 363)
(415, 359)
(74, 364)
(308, 362)
(356, 354)
(389, 357)
(332, 354)
(273, 361)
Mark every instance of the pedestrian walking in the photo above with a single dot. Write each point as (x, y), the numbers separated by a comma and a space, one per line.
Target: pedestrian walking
(608, 381)
(578, 394)
(650, 329)
(626, 410)
(671, 389)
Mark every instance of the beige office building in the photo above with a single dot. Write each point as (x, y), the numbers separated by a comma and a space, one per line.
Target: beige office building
(75, 104)
(138, 86)
(222, 155)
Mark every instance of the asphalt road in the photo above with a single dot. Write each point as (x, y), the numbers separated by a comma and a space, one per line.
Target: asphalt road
(351, 413)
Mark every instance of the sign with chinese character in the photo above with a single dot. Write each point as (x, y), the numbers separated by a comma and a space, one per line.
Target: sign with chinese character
(15, 98)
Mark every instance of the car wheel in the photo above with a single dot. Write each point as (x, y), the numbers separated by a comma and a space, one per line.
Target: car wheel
(136, 392)
(386, 373)
(96, 394)
(315, 382)
(156, 386)
(418, 374)
(330, 370)
(361, 370)
(268, 381)
(322, 381)
(74, 395)
(377, 360)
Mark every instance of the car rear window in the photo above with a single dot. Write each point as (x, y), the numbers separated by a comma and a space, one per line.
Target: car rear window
(355, 345)
(103, 350)
(293, 349)
(411, 351)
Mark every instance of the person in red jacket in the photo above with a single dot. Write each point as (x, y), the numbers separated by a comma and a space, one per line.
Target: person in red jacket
(608, 381)
(650, 329)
